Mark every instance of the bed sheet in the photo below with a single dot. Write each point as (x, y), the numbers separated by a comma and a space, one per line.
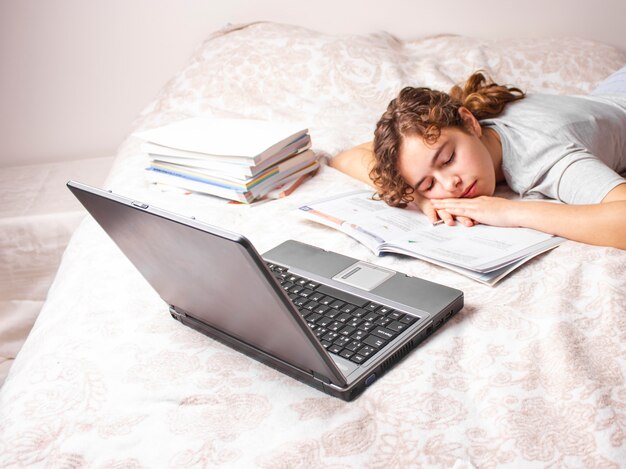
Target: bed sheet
(531, 373)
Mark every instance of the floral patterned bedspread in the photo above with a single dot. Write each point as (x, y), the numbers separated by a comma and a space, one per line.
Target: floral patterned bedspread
(531, 373)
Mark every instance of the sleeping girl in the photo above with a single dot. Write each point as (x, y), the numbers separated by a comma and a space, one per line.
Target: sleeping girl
(445, 152)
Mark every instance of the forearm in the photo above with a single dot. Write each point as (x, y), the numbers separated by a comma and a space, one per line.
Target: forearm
(600, 224)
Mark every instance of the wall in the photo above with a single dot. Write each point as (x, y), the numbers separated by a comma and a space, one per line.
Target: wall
(74, 73)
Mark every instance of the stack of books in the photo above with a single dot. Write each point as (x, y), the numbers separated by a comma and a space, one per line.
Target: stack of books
(237, 159)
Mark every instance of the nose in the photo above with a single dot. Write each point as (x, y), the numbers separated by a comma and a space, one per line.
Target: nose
(452, 184)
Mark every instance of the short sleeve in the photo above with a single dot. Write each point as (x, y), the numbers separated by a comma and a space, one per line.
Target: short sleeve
(579, 178)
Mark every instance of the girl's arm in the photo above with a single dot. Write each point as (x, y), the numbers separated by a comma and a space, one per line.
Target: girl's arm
(602, 224)
(356, 162)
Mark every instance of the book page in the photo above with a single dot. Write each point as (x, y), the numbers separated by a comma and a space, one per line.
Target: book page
(361, 212)
(479, 248)
(229, 137)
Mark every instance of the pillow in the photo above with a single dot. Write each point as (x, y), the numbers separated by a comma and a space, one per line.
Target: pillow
(339, 85)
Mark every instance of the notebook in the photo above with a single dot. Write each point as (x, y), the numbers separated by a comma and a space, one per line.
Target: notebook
(331, 321)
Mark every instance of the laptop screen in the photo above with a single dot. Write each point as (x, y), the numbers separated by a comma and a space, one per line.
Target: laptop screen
(213, 275)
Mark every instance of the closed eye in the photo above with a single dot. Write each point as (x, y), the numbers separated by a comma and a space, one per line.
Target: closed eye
(449, 160)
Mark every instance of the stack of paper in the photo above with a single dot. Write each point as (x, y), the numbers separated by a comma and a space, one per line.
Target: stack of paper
(237, 159)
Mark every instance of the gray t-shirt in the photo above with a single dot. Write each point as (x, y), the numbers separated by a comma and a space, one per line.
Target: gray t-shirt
(568, 148)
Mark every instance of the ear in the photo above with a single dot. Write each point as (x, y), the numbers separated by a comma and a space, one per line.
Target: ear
(471, 123)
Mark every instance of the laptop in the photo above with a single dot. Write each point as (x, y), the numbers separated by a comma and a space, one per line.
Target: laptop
(331, 321)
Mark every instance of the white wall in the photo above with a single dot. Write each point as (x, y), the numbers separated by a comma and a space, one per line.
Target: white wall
(75, 73)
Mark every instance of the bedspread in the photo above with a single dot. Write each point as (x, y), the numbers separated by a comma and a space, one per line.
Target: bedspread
(531, 373)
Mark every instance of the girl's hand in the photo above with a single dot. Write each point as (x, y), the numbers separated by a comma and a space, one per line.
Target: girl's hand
(434, 214)
(487, 210)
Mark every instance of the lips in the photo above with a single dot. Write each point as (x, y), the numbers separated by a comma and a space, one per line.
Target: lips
(469, 192)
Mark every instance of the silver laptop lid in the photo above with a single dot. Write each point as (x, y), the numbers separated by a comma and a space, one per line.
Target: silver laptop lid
(215, 276)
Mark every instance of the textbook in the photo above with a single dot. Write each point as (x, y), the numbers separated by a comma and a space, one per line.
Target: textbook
(481, 252)
(246, 192)
(228, 170)
(246, 140)
(238, 159)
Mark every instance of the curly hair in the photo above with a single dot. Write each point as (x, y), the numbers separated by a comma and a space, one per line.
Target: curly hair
(425, 112)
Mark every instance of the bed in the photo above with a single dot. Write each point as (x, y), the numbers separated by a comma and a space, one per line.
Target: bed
(531, 373)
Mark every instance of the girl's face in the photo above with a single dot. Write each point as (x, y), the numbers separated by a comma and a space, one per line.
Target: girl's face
(458, 164)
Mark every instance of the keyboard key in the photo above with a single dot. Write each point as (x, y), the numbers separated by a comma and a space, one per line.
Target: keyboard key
(372, 306)
(359, 313)
(334, 348)
(335, 326)
(354, 346)
(358, 359)
(317, 296)
(311, 305)
(347, 331)
(366, 326)
(330, 337)
(321, 309)
(287, 285)
(396, 315)
(385, 311)
(348, 308)
(324, 321)
(337, 304)
(371, 317)
(342, 341)
(300, 301)
(408, 319)
(383, 333)
(367, 351)
(381, 321)
(396, 326)
(313, 317)
(343, 317)
(306, 293)
(326, 344)
(312, 285)
(343, 296)
(354, 322)
(374, 341)
(326, 300)
(346, 353)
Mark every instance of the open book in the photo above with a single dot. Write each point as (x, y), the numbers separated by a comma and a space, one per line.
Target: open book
(483, 253)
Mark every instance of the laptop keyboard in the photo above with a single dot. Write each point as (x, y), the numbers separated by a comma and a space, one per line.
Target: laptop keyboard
(346, 325)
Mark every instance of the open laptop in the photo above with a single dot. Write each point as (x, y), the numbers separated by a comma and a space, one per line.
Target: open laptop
(328, 320)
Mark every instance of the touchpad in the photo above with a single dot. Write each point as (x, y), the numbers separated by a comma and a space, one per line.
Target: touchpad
(363, 275)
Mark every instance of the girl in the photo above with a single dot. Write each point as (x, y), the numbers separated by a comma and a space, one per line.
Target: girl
(446, 152)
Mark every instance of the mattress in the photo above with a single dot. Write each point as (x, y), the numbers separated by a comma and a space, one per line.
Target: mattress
(37, 218)
(531, 373)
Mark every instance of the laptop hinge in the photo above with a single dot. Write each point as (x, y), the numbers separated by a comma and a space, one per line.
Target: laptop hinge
(178, 315)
